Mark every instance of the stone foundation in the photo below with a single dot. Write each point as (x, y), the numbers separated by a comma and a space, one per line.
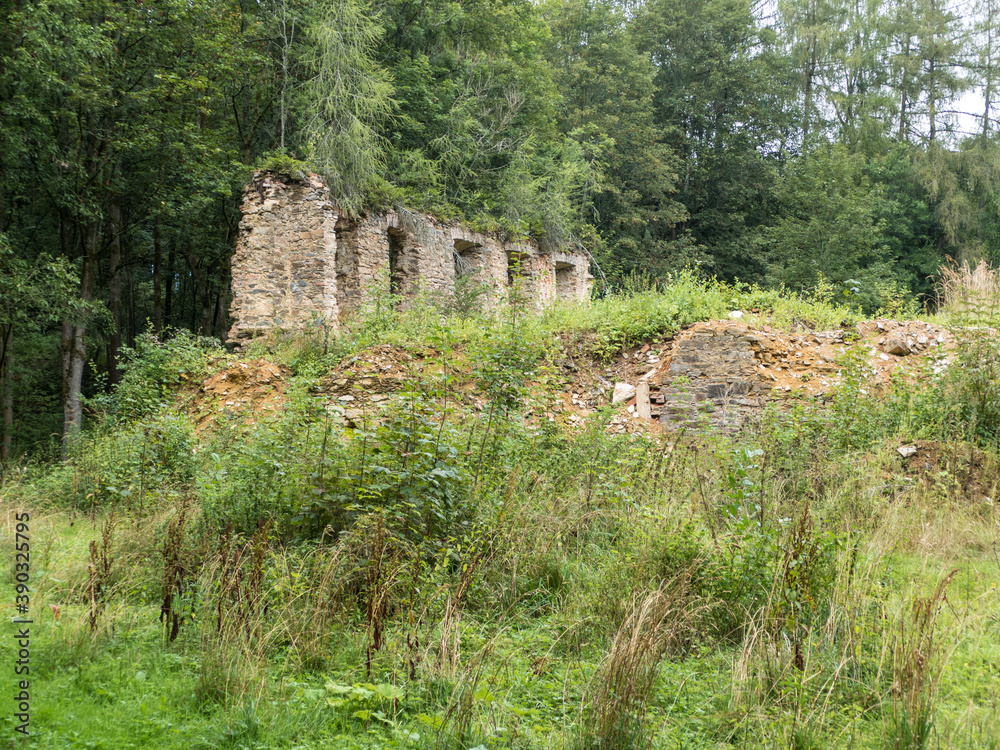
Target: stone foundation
(300, 261)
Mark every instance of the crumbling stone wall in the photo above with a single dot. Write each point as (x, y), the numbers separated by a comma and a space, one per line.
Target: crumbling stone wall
(720, 374)
(300, 260)
(712, 379)
(281, 275)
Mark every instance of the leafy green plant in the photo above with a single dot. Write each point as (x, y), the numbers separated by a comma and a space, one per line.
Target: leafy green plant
(806, 575)
(469, 296)
(153, 370)
(365, 701)
(284, 165)
(957, 395)
(859, 417)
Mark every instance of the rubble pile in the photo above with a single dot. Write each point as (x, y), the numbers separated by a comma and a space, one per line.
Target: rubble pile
(243, 389)
(715, 375)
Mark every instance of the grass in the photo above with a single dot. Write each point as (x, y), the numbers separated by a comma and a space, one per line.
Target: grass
(600, 327)
(550, 669)
(541, 587)
(967, 293)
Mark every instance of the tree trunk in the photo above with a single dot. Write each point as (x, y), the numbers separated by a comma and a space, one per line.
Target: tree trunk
(810, 74)
(8, 394)
(932, 102)
(67, 242)
(204, 294)
(904, 83)
(157, 280)
(133, 313)
(193, 323)
(932, 94)
(207, 308)
(988, 72)
(222, 302)
(75, 354)
(201, 297)
(168, 297)
(115, 287)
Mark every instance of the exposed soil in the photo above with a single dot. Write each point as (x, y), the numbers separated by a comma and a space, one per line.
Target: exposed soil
(808, 362)
(779, 365)
(243, 389)
(774, 365)
(947, 467)
(380, 369)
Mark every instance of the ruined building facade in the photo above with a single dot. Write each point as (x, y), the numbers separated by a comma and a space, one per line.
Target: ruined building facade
(300, 261)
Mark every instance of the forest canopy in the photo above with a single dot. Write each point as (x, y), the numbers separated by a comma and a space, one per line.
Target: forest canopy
(800, 143)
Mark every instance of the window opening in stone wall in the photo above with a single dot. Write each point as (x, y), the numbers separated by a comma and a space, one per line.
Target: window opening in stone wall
(468, 258)
(565, 280)
(346, 267)
(517, 266)
(397, 272)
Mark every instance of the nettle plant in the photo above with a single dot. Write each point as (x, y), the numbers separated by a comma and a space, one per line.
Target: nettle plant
(408, 467)
(779, 562)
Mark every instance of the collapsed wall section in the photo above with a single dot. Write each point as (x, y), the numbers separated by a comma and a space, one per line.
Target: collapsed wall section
(299, 260)
(712, 379)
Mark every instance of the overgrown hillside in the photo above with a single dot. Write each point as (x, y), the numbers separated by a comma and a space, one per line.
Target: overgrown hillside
(425, 532)
(797, 143)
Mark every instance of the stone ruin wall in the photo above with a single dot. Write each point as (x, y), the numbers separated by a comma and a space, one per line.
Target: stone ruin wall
(299, 260)
(721, 374)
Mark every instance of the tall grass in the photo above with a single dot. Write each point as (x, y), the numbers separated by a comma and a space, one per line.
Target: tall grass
(659, 622)
(969, 294)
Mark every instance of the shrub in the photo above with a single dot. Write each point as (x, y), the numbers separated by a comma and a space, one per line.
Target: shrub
(957, 396)
(153, 369)
(137, 465)
(285, 166)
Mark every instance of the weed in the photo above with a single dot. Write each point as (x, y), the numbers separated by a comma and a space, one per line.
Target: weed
(100, 570)
(918, 663)
(659, 621)
(176, 572)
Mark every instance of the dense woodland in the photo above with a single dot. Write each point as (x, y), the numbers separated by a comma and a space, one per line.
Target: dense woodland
(797, 143)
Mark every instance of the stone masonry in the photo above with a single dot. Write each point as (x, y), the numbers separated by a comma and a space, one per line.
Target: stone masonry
(720, 374)
(299, 260)
(712, 378)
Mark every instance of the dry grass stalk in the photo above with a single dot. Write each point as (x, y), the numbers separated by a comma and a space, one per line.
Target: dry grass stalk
(918, 664)
(100, 570)
(460, 712)
(659, 622)
(964, 290)
(308, 614)
(450, 647)
(175, 572)
(236, 641)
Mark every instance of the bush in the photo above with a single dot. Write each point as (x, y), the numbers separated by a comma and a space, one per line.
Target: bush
(153, 369)
(137, 465)
(285, 166)
(959, 395)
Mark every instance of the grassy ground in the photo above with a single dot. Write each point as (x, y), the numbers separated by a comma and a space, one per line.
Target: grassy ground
(463, 579)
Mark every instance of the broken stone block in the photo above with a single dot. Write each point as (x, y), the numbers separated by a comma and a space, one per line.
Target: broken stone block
(623, 392)
(896, 344)
(642, 400)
